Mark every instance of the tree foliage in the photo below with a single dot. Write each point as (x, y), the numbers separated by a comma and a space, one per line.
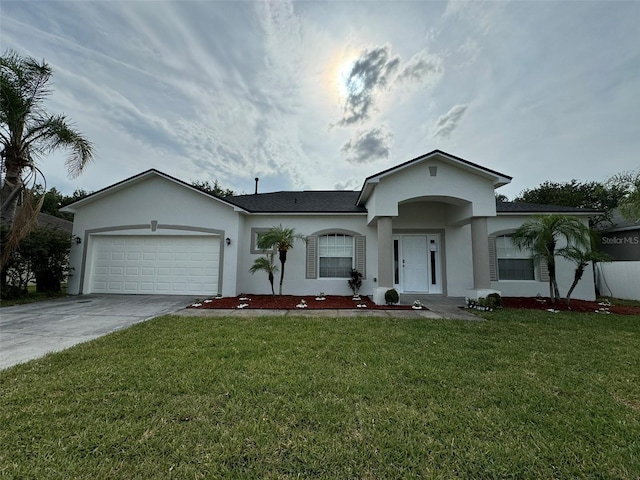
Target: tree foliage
(542, 234)
(265, 264)
(629, 204)
(593, 195)
(212, 188)
(283, 239)
(43, 257)
(28, 133)
(54, 200)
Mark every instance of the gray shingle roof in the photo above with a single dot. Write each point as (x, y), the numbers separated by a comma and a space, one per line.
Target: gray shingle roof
(319, 201)
(54, 223)
(521, 207)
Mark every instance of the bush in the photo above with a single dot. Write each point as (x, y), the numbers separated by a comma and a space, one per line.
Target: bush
(391, 296)
(494, 300)
(355, 282)
(43, 256)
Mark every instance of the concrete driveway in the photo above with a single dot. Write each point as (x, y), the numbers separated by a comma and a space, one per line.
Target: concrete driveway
(33, 330)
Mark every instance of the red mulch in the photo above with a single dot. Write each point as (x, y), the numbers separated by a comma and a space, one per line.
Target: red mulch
(287, 302)
(574, 306)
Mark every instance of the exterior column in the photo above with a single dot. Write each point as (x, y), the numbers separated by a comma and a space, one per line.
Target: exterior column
(480, 253)
(385, 259)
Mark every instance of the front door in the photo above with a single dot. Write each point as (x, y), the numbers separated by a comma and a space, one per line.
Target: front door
(417, 263)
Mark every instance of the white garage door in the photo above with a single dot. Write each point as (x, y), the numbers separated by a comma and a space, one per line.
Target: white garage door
(155, 264)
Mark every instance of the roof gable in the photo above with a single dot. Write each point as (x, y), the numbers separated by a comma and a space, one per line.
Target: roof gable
(131, 181)
(498, 179)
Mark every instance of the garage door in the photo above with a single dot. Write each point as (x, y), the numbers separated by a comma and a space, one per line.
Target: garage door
(155, 264)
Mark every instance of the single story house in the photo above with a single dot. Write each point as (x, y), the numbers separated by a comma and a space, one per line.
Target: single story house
(429, 226)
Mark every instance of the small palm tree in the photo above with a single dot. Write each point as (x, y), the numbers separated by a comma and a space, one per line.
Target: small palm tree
(265, 264)
(581, 258)
(283, 239)
(541, 236)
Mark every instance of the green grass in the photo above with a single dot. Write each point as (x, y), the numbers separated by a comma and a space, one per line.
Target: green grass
(32, 297)
(523, 395)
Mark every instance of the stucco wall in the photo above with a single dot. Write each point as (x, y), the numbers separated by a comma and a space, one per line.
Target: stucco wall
(564, 269)
(164, 201)
(295, 282)
(415, 182)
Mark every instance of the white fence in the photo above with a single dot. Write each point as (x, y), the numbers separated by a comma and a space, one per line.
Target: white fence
(619, 279)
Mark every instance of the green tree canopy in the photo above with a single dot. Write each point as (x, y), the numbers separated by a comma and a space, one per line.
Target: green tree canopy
(212, 188)
(629, 204)
(594, 195)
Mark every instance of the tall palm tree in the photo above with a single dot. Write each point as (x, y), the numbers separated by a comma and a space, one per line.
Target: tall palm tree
(265, 264)
(283, 239)
(28, 132)
(541, 236)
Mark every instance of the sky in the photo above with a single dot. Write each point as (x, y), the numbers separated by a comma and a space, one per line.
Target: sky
(320, 95)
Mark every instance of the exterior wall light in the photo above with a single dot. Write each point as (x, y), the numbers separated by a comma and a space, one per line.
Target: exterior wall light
(228, 241)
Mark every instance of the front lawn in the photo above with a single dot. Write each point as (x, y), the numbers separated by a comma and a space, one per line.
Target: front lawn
(523, 395)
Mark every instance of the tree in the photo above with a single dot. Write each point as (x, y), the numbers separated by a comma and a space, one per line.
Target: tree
(283, 239)
(629, 204)
(214, 189)
(265, 264)
(581, 258)
(595, 195)
(27, 133)
(541, 236)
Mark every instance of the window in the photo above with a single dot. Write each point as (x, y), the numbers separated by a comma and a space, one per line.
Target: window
(335, 253)
(256, 233)
(513, 263)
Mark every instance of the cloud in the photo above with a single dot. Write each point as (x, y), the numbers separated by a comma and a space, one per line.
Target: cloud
(350, 184)
(371, 71)
(447, 123)
(369, 146)
(422, 69)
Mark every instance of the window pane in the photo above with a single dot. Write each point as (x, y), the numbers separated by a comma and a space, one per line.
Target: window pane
(335, 267)
(515, 269)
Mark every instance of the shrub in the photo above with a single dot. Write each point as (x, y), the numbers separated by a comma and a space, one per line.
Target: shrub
(494, 300)
(391, 296)
(355, 282)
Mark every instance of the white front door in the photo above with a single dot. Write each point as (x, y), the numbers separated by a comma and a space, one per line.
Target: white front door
(417, 260)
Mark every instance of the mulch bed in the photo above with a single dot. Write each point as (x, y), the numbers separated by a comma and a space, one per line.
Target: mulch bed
(289, 302)
(584, 306)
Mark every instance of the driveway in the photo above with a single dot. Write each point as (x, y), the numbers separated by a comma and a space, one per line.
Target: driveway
(33, 330)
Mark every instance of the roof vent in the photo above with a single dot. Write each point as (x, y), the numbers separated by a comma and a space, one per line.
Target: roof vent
(257, 180)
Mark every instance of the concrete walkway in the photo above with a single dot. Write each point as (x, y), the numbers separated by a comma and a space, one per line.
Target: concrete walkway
(33, 330)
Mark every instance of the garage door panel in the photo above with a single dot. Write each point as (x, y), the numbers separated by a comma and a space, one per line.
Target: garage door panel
(162, 264)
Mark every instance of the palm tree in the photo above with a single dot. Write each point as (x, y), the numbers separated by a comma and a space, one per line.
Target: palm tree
(541, 236)
(27, 133)
(283, 239)
(266, 264)
(581, 258)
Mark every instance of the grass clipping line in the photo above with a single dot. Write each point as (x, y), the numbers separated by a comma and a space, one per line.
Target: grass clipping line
(532, 396)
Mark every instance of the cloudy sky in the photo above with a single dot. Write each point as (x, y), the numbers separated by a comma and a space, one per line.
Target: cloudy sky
(320, 95)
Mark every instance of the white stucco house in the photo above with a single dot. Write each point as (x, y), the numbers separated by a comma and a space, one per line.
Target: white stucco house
(428, 226)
